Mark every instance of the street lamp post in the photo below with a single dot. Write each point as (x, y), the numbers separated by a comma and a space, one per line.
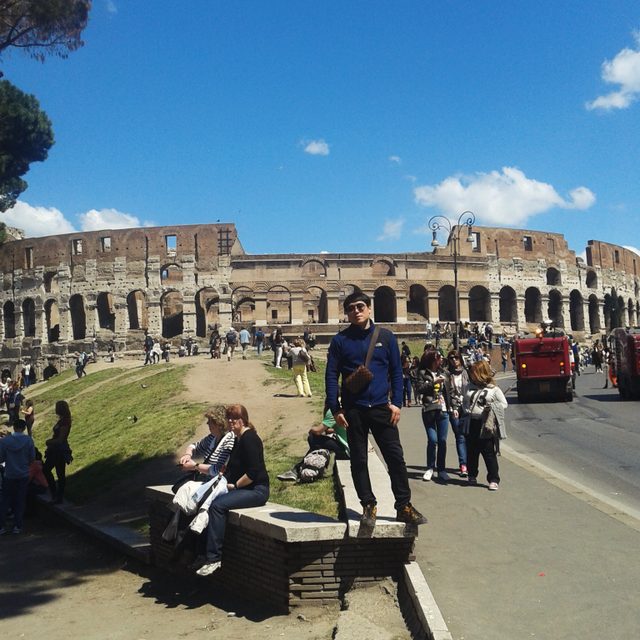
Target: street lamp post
(437, 223)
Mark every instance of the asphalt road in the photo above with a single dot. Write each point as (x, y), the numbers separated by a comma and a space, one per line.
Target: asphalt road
(554, 553)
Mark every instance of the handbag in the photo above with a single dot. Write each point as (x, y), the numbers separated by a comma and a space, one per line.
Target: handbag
(489, 428)
(360, 377)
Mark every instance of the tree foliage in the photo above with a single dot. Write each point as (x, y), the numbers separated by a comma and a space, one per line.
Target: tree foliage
(43, 27)
(26, 136)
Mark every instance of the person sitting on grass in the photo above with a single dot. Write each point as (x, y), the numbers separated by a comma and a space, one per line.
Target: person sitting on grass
(247, 484)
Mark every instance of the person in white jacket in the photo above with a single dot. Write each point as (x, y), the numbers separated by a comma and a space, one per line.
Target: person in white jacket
(481, 396)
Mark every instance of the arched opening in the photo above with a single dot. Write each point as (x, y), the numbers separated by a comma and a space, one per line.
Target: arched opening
(447, 303)
(631, 313)
(576, 310)
(29, 318)
(170, 275)
(9, 313)
(314, 305)
(78, 317)
(479, 305)
(207, 310)
(594, 315)
(553, 277)
(384, 305)
(244, 305)
(508, 305)
(532, 306)
(172, 314)
(313, 269)
(592, 280)
(137, 310)
(106, 311)
(279, 305)
(382, 269)
(622, 312)
(52, 317)
(554, 310)
(418, 302)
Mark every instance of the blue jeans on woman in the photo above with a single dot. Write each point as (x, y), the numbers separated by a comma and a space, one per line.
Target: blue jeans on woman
(436, 424)
(219, 509)
(457, 424)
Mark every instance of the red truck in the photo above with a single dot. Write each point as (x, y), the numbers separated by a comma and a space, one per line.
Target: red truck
(626, 361)
(544, 368)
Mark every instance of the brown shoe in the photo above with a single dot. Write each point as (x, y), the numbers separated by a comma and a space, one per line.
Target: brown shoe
(410, 515)
(369, 513)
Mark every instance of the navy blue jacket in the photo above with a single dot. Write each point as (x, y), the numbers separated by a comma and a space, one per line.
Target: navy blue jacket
(347, 351)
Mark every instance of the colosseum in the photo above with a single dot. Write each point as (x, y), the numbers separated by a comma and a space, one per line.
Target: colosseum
(63, 293)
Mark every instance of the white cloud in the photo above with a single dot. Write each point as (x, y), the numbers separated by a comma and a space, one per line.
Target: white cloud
(395, 159)
(623, 70)
(504, 197)
(36, 221)
(95, 220)
(316, 147)
(391, 230)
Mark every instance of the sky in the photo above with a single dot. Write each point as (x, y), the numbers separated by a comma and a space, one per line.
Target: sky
(342, 126)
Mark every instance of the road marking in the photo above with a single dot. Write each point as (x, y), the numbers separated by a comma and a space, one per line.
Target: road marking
(615, 509)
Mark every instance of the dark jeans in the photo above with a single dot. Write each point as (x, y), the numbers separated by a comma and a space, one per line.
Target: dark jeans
(14, 495)
(436, 424)
(55, 461)
(325, 442)
(477, 446)
(361, 421)
(235, 499)
(406, 391)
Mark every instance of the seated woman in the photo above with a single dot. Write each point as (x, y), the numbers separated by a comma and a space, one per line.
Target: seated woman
(247, 483)
(215, 448)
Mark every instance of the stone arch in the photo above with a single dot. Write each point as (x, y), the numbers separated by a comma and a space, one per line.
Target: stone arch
(50, 281)
(52, 318)
(137, 310)
(479, 304)
(244, 305)
(554, 279)
(9, 314)
(631, 313)
(381, 268)
(384, 305)
(594, 314)
(78, 317)
(313, 268)
(170, 275)
(106, 311)
(207, 310)
(576, 310)
(447, 303)
(29, 318)
(314, 305)
(418, 301)
(554, 309)
(532, 306)
(508, 305)
(621, 312)
(592, 279)
(172, 314)
(279, 305)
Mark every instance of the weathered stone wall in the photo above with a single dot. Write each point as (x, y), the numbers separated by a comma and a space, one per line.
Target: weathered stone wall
(174, 281)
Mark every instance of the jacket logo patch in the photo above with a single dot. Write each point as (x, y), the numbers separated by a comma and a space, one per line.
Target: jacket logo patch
(378, 344)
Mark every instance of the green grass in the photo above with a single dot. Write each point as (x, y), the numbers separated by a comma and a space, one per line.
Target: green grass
(107, 445)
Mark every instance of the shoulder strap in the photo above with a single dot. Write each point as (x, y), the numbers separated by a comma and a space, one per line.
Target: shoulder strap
(372, 344)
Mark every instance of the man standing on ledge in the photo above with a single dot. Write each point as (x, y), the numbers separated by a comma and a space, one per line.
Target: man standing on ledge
(370, 408)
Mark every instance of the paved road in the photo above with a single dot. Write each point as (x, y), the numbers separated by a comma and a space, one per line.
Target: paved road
(554, 553)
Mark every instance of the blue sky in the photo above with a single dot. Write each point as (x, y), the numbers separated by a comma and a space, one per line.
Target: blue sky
(342, 126)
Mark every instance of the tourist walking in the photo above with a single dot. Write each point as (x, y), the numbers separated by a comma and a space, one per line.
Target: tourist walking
(457, 382)
(277, 343)
(364, 392)
(301, 359)
(245, 341)
(29, 414)
(58, 453)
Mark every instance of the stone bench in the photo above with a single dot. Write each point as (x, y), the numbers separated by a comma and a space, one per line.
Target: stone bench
(287, 557)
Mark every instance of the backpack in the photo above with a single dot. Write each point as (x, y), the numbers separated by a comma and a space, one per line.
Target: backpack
(313, 465)
(231, 337)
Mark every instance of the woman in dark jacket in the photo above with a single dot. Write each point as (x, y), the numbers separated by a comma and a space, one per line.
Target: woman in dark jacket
(58, 453)
(435, 416)
(247, 482)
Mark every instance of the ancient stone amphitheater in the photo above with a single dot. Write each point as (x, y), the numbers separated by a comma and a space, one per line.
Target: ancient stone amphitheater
(61, 293)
